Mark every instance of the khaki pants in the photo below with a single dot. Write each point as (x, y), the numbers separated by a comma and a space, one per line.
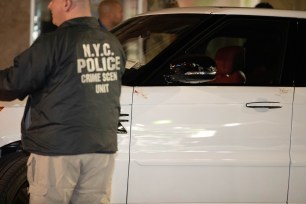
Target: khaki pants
(77, 179)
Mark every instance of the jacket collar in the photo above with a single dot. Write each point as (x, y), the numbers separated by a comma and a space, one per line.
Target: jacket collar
(89, 21)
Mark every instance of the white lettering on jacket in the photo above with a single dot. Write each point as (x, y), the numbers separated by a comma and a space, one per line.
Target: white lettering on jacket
(97, 63)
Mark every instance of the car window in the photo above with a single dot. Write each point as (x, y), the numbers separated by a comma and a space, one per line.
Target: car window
(148, 36)
(246, 51)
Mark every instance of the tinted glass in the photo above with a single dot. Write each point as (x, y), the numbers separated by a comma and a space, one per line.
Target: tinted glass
(301, 72)
(246, 51)
(143, 38)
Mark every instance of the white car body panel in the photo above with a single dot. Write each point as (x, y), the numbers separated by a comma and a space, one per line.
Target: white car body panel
(230, 11)
(298, 150)
(197, 143)
(10, 120)
(202, 137)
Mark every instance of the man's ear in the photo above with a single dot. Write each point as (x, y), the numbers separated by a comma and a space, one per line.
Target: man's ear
(67, 5)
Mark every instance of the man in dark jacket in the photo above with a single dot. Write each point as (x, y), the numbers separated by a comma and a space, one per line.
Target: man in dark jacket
(72, 78)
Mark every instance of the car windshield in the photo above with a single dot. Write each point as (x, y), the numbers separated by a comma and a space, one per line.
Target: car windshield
(143, 38)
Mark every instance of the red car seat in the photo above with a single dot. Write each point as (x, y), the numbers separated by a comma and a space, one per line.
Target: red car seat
(226, 59)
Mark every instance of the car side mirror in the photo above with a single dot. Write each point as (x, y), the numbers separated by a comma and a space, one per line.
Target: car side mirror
(192, 70)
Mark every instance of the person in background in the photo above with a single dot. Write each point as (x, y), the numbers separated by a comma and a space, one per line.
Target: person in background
(72, 80)
(264, 5)
(110, 13)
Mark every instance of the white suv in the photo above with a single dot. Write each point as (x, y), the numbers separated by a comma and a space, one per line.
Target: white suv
(213, 110)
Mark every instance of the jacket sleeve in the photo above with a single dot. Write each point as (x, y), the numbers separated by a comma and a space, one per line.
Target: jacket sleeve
(28, 72)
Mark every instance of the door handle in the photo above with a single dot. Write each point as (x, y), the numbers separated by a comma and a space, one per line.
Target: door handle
(264, 104)
(122, 115)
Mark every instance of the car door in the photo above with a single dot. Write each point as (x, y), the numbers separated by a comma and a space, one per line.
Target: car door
(215, 142)
(298, 150)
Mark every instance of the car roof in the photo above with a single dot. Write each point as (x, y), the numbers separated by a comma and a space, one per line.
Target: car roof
(230, 11)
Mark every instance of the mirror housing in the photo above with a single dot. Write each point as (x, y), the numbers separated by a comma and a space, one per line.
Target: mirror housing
(192, 70)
